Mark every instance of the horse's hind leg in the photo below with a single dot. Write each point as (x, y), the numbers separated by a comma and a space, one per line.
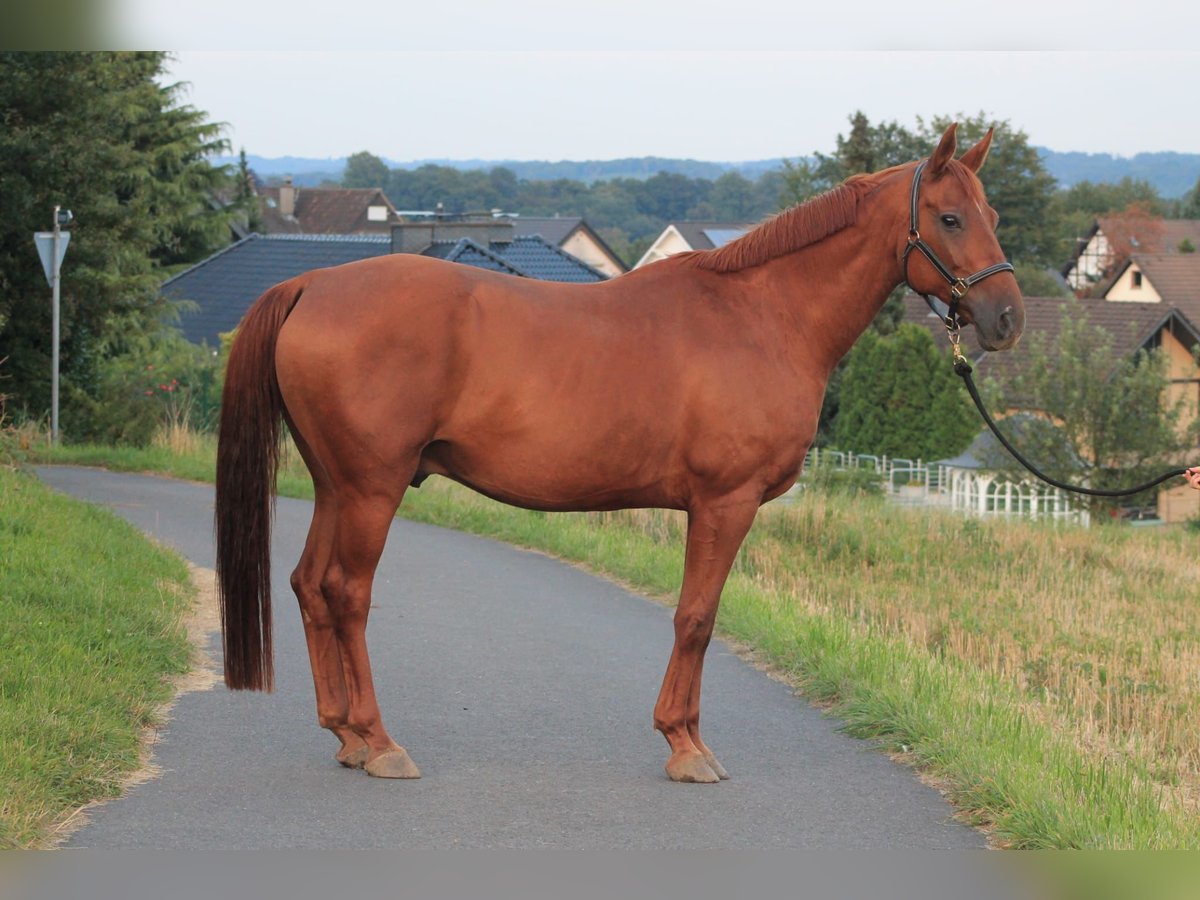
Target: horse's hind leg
(715, 532)
(361, 530)
(324, 655)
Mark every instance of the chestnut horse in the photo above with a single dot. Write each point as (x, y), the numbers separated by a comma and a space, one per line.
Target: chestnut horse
(694, 384)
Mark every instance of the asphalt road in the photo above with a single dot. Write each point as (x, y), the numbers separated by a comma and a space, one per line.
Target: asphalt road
(523, 688)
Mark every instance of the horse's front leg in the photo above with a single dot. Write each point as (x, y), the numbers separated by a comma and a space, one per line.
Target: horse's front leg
(715, 532)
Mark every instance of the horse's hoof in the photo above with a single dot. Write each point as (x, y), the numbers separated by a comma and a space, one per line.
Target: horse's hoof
(392, 764)
(691, 768)
(354, 758)
(718, 769)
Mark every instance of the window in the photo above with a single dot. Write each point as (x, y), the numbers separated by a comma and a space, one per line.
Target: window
(1137, 278)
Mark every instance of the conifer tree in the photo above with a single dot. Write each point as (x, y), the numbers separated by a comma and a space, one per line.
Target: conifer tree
(98, 133)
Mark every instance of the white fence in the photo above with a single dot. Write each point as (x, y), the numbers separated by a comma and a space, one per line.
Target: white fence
(970, 491)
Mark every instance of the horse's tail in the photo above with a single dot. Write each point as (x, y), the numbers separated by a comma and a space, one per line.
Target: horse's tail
(247, 460)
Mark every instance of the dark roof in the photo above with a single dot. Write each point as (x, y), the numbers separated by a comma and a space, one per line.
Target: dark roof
(1163, 236)
(1174, 276)
(1166, 237)
(326, 211)
(538, 258)
(224, 285)
(531, 256)
(471, 253)
(1132, 326)
(557, 229)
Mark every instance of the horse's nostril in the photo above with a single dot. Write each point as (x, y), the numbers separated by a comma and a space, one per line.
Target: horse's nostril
(1005, 322)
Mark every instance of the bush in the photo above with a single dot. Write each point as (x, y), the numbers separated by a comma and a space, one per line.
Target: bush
(162, 383)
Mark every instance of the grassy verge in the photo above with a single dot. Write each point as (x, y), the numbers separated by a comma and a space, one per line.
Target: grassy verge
(91, 628)
(1045, 677)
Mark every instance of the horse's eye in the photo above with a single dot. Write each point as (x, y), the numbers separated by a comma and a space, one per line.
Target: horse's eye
(950, 221)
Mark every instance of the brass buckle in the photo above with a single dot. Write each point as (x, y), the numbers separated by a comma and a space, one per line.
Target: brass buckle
(955, 334)
(959, 288)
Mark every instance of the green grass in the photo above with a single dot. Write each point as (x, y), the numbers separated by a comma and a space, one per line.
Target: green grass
(90, 614)
(1043, 677)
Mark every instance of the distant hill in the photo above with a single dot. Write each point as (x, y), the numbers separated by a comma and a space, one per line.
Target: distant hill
(1173, 174)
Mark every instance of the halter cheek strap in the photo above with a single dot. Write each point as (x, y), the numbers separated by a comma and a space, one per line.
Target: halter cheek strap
(958, 285)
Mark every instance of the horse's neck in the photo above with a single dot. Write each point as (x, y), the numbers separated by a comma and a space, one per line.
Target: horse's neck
(830, 291)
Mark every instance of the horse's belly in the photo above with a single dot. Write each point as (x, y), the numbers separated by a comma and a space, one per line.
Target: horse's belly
(552, 475)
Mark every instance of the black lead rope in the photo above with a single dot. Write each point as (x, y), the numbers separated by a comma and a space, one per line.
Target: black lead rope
(963, 369)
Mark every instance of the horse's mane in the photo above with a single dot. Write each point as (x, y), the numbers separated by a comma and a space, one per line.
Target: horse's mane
(792, 229)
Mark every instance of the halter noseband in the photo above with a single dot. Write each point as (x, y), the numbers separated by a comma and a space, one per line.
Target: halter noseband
(958, 286)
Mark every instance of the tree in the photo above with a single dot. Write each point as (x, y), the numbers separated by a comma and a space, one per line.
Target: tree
(1078, 207)
(1135, 229)
(1101, 419)
(97, 133)
(244, 195)
(365, 170)
(1189, 206)
(1015, 180)
(899, 395)
(732, 199)
(1038, 281)
(867, 148)
(669, 195)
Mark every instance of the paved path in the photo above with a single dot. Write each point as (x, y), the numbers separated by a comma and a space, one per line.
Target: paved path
(523, 688)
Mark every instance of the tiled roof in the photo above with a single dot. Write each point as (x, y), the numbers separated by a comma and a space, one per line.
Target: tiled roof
(224, 285)
(531, 256)
(1175, 276)
(1165, 235)
(555, 229)
(538, 258)
(325, 211)
(470, 253)
(1131, 325)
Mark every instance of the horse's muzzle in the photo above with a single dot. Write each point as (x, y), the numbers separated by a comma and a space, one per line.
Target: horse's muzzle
(1001, 331)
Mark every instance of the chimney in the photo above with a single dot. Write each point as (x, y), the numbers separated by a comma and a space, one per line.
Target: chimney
(287, 198)
(415, 237)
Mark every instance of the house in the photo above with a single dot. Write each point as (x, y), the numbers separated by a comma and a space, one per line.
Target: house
(1133, 325)
(1165, 279)
(1094, 254)
(574, 236)
(679, 237)
(222, 287)
(529, 256)
(287, 209)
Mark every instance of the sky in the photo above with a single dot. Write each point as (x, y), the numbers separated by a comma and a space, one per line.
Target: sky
(729, 81)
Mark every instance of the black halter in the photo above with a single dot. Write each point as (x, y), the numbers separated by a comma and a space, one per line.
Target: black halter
(958, 286)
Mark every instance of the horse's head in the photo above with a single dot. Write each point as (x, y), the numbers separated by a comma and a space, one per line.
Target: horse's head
(960, 260)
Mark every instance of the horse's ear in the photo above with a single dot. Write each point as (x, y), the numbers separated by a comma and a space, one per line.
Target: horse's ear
(974, 158)
(944, 152)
